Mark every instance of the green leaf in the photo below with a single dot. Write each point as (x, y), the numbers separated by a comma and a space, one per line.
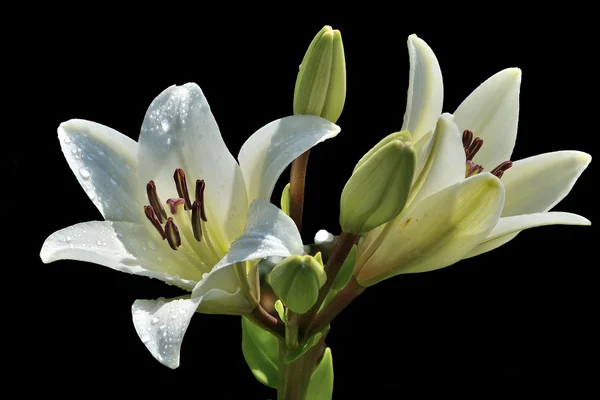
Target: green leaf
(321, 382)
(345, 272)
(298, 351)
(285, 199)
(261, 352)
(281, 311)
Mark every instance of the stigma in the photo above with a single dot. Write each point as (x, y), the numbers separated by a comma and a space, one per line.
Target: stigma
(182, 210)
(472, 145)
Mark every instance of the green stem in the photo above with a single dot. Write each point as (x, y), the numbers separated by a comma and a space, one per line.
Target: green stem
(297, 179)
(295, 376)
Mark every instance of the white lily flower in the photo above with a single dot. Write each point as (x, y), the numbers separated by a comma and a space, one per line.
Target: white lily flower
(178, 241)
(456, 208)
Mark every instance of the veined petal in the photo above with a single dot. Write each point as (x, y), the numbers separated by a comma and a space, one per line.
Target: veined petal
(161, 324)
(104, 162)
(538, 183)
(446, 163)
(179, 131)
(425, 89)
(492, 112)
(507, 228)
(268, 232)
(273, 147)
(220, 292)
(123, 246)
(437, 231)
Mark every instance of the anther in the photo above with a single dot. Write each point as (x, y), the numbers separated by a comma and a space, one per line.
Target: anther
(467, 138)
(472, 169)
(151, 215)
(474, 148)
(173, 203)
(172, 234)
(500, 169)
(200, 185)
(155, 201)
(182, 189)
(196, 220)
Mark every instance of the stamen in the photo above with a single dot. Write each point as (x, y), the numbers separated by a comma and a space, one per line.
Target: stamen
(173, 203)
(472, 169)
(500, 169)
(200, 185)
(155, 201)
(467, 138)
(474, 148)
(172, 234)
(196, 220)
(151, 215)
(182, 189)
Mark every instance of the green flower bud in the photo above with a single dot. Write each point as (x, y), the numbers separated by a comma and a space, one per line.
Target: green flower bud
(379, 186)
(321, 82)
(297, 280)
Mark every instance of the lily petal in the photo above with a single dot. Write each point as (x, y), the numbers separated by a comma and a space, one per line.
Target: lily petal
(268, 232)
(179, 131)
(161, 324)
(446, 163)
(492, 113)
(104, 162)
(273, 147)
(122, 246)
(507, 228)
(538, 183)
(220, 292)
(425, 89)
(436, 232)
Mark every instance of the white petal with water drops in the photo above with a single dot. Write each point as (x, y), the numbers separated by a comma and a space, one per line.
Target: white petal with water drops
(161, 325)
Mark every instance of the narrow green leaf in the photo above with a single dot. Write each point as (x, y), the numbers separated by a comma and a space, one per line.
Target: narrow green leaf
(345, 272)
(321, 382)
(281, 311)
(261, 352)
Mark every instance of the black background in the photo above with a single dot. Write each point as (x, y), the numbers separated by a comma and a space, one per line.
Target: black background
(518, 319)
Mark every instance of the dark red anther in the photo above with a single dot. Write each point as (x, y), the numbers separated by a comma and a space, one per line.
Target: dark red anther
(182, 189)
(467, 138)
(155, 201)
(153, 218)
(173, 203)
(500, 169)
(172, 234)
(200, 186)
(473, 169)
(197, 220)
(474, 148)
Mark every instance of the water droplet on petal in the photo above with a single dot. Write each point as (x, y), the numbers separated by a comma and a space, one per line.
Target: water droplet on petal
(145, 339)
(84, 173)
(151, 244)
(99, 242)
(165, 125)
(68, 140)
(154, 320)
(68, 238)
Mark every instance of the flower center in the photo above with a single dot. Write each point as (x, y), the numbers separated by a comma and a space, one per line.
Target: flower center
(472, 145)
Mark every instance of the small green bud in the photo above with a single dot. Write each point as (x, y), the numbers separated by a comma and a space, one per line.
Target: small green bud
(297, 280)
(321, 83)
(379, 186)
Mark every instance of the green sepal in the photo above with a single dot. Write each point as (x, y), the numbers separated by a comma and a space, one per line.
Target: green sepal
(321, 381)
(285, 200)
(261, 352)
(281, 311)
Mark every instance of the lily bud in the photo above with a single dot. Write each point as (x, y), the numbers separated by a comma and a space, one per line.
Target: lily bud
(321, 83)
(379, 186)
(297, 280)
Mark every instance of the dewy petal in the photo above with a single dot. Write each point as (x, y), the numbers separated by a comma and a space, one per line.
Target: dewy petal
(507, 228)
(437, 231)
(179, 131)
(446, 163)
(492, 113)
(425, 89)
(220, 292)
(273, 147)
(538, 183)
(104, 162)
(161, 324)
(268, 232)
(123, 246)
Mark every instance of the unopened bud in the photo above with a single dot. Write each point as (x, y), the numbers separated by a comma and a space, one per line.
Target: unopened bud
(321, 82)
(297, 280)
(379, 186)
